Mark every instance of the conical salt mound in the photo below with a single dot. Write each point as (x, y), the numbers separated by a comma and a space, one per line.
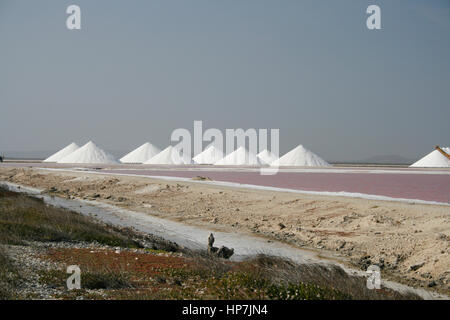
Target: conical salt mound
(170, 155)
(300, 156)
(62, 153)
(239, 157)
(266, 157)
(434, 159)
(209, 156)
(141, 154)
(89, 153)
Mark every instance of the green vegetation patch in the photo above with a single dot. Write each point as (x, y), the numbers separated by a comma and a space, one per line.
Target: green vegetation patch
(98, 279)
(23, 218)
(9, 277)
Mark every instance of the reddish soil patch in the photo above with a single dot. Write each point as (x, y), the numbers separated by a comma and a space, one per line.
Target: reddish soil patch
(133, 262)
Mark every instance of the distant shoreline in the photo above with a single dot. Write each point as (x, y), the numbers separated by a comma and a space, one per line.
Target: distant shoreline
(337, 163)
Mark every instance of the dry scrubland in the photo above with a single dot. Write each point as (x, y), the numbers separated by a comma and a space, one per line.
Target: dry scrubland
(38, 242)
(410, 242)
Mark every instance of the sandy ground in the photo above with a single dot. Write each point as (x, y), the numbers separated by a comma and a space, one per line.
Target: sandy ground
(410, 242)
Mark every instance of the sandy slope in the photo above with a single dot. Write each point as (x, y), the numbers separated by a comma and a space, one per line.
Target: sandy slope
(392, 234)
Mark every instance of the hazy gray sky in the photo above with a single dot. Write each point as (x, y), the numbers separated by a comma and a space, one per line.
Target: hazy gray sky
(139, 69)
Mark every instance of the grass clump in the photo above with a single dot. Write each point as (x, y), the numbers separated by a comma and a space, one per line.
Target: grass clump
(106, 280)
(23, 218)
(90, 279)
(254, 284)
(303, 291)
(9, 277)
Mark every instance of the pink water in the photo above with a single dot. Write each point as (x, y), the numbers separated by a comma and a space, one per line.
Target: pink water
(429, 187)
(421, 186)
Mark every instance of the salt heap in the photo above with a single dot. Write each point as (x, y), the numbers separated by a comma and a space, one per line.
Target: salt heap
(300, 156)
(170, 155)
(434, 159)
(141, 154)
(89, 153)
(239, 157)
(266, 157)
(62, 153)
(209, 156)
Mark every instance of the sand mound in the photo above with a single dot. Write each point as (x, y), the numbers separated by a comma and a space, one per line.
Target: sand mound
(62, 153)
(148, 189)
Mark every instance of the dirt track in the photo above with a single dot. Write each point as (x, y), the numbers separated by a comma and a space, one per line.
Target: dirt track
(395, 235)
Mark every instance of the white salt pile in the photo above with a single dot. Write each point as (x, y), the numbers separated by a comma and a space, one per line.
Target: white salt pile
(434, 159)
(266, 157)
(300, 156)
(209, 156)
(62, 153)
(170, 155)
(141, 154)
(89, 153)
(239, 157)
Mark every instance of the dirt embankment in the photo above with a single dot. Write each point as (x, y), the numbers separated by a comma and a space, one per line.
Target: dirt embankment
(38, 242)
(410, 242)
